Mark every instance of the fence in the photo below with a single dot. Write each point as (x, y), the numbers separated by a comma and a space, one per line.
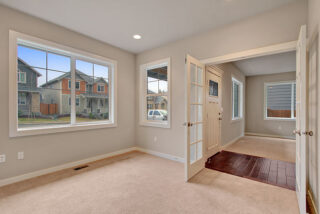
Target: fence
(47, 109)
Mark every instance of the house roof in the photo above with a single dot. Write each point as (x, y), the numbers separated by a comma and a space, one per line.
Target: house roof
(79, 74)
(26, 65)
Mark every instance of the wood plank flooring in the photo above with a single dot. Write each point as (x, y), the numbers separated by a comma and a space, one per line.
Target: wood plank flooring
(275, 172)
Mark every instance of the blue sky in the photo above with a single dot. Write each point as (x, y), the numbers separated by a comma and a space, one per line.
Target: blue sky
(37, 58)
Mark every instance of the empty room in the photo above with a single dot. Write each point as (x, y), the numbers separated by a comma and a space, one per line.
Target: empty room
(206, 106)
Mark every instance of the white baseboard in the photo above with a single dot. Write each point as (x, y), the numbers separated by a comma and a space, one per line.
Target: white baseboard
(231, 142)
(26, 176)
(267, 135)
(162, 155)
(37, 173)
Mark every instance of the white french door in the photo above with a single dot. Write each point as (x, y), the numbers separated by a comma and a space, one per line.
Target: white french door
(195, 86)
(301, 120)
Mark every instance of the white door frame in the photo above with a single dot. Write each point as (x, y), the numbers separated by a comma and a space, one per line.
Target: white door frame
(252, 53)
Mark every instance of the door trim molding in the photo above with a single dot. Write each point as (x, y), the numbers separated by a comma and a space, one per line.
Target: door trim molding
(263, 51)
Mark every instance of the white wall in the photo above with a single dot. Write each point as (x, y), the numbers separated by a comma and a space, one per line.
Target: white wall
(46, 151)
(255, 122)
(276, 26)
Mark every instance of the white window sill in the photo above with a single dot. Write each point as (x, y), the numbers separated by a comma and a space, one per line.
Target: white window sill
(165, 125)
(60, 128)
(280, 119)
(235, 120)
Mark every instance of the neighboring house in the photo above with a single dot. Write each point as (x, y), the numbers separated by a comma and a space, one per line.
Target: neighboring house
(156, 102)
(91, 94)
(29, 94)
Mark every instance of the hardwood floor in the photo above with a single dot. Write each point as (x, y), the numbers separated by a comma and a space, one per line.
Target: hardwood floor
(275, 172)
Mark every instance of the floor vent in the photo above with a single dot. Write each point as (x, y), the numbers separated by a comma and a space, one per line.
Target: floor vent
(81, 167)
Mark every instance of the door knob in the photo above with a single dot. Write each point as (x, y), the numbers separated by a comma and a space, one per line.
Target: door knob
(220, 118)
(310, 133)
(298, 132)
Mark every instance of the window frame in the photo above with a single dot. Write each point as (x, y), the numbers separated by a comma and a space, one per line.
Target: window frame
(99, 85)
(234, 80)
(77, 81)
(19, 77)
(266, 85)
(15, 39)
(25, 100)
(143, 94)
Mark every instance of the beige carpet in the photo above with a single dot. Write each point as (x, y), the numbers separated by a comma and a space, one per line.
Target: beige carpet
(272, 148)
(141, 183)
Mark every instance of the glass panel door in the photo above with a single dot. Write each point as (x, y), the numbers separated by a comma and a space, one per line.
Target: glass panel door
(195, 123)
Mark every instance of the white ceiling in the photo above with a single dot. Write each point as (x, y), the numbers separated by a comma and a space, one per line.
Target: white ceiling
(278, 63)
(158, 21)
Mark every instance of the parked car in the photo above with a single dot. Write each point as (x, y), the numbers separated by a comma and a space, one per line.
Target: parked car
(157, 114)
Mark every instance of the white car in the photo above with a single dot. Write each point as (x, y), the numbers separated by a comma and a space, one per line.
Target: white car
(157, 114)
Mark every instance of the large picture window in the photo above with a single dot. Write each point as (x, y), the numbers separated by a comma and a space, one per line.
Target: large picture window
(155, 94)
(59, 88)
(280, 100)
(237, 99)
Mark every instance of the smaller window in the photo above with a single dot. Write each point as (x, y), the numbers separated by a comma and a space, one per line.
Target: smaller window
(213, 88)
(237, 101)
(22, 99)
(100, 88)
(77, 84)
(155, 94)
(21, 77)
(280, 100)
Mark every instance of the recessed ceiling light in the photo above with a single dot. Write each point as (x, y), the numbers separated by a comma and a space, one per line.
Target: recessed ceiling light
(137, 36)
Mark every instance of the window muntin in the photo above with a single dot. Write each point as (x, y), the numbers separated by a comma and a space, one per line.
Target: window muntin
(42, 58)
(280, 100)
(77, 85)
(155, 93)
(237, 101)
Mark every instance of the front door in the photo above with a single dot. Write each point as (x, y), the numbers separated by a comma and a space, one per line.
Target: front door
(195, 83)
(214, 111)
(301, 120)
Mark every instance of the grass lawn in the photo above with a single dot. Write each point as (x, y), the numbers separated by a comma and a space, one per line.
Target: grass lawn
(58, 120)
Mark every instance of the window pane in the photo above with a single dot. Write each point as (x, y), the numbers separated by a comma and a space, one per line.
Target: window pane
(193, 72)
(43, 107)
(84, 70)
(294, 97)
(32, 57)
(213, 88)
(199, 132)
(92, 88)
(157, 80)
(199, 150)
(199, 73)
(58, 62)
(157, 104)
(193, 153)
(235, 100)
(279, 100)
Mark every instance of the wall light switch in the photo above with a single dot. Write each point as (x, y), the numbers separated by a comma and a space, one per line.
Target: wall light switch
(20, 155)
(155, 139)
(2, 158)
